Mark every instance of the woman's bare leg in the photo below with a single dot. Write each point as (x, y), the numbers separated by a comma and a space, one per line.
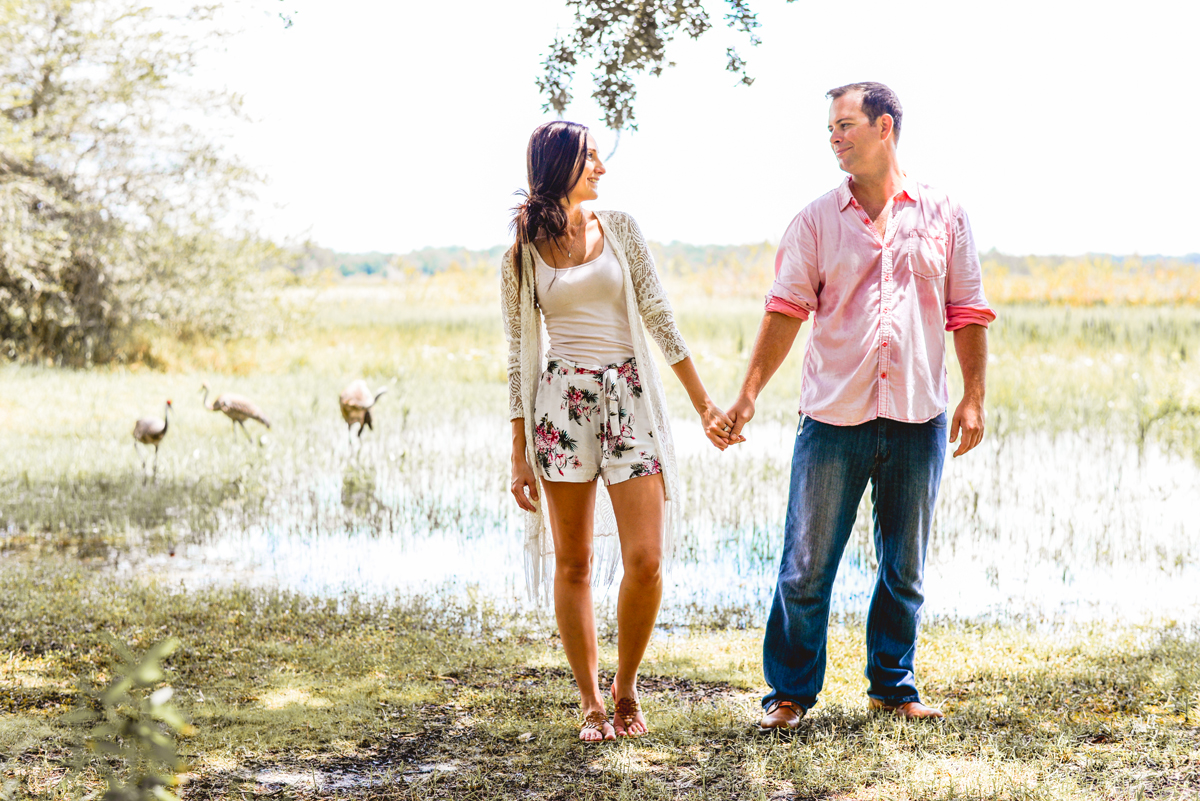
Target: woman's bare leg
(571, 508)
(639, 505)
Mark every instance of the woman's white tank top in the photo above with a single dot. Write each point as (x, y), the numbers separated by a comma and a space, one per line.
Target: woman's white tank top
(584, 306)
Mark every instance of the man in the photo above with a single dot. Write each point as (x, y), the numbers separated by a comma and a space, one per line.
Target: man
(883, 265)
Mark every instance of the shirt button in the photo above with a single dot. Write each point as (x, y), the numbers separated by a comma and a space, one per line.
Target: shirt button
(885, 344)
(883, 375)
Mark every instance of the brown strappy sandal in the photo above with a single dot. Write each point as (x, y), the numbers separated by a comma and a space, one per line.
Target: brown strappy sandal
(594, 720)
(627, 710)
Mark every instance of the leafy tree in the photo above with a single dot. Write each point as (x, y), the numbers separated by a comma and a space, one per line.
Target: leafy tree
(116, 204)
(628, 38)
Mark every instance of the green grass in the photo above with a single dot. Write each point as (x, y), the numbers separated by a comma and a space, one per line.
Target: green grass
(363, 691)
(386, 689)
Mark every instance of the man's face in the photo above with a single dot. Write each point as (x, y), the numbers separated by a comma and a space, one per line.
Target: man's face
(857, 145)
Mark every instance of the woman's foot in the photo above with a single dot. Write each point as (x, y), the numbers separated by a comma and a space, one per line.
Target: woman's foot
(596, 727)
(627, 719)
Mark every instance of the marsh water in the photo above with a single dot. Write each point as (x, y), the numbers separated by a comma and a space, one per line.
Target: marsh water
(1074, 526)
(1079, 505)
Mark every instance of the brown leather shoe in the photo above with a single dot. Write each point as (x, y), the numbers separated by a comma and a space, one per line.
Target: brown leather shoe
(781, 716)
(912, 710)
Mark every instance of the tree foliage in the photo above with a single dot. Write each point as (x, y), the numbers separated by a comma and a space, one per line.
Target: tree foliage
(116, 203)
(628, 38)
(132, 729)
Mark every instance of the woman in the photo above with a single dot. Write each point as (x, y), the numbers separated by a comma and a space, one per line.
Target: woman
(591, 407)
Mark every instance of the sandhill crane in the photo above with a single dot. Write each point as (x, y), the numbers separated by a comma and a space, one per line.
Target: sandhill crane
(149, 431)
(356, 401)
(237, 408)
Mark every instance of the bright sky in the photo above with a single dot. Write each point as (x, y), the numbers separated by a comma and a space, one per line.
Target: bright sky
(393, 126)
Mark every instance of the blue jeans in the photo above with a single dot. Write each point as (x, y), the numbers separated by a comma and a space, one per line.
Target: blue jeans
(831, 466)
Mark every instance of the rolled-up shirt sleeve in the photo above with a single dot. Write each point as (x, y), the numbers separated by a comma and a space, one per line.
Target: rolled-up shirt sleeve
(965, 301)
(797, 278)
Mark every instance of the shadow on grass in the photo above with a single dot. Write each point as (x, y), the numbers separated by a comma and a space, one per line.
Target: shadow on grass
(494, 734)
(1099, 729)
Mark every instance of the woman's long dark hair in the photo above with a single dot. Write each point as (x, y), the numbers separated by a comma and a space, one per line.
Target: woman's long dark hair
(554, 162)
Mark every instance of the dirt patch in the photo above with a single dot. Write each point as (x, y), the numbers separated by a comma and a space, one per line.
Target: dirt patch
(453, 753)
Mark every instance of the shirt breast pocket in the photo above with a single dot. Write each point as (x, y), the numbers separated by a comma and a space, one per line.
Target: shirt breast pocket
(927, 253)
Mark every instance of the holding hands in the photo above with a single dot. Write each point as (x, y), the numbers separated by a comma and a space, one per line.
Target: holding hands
(718, 427)
(739, 414)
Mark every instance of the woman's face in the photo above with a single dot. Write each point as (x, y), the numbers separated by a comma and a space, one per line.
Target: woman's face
(586, 188)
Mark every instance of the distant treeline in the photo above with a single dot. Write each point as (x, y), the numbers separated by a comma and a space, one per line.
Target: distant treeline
(1022, 264)
(314, 260)
(676, 258)
(746, 271)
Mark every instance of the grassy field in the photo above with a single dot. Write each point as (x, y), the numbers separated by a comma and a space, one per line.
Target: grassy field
(352, 696)
(71, 469)
(427, 698)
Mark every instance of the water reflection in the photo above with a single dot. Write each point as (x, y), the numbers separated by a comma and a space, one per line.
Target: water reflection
(359, 489)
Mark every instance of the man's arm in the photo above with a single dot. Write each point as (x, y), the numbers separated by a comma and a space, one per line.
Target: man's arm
(970, 345)
(775, 337)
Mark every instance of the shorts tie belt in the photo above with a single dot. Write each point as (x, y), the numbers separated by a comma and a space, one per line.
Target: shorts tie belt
(613, 398)
(592, 420)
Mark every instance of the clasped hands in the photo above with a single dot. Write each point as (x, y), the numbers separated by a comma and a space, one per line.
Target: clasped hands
(724, 428)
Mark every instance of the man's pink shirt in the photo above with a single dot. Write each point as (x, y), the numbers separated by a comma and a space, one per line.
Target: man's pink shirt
(879, 307)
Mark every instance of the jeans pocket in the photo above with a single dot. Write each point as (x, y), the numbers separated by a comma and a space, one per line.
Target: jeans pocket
(939, 421)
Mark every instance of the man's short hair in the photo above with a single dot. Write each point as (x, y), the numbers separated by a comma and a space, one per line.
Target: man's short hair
(877, 100)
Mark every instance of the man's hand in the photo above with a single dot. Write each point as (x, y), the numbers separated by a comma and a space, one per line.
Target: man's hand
(970, 343)
(717, 426)
(739, 414)
(969, 419)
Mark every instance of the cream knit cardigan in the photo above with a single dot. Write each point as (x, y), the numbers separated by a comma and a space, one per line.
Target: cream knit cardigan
(644, 298)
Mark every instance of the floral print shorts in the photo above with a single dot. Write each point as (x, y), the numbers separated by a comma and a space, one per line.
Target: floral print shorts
(593, 422)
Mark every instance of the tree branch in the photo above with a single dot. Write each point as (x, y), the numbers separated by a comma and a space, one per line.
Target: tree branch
(628, 39)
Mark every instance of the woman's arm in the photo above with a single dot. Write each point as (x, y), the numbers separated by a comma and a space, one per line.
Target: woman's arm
(660, 322)
(524, 483)
(651, 299)
(716, 424)
(523, 478)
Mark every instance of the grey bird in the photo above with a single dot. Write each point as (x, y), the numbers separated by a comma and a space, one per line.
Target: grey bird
(237, 408)
(149, 431)
(356, 401)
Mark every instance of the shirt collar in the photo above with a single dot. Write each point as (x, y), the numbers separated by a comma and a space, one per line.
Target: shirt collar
(910, 188)
(843, 194)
